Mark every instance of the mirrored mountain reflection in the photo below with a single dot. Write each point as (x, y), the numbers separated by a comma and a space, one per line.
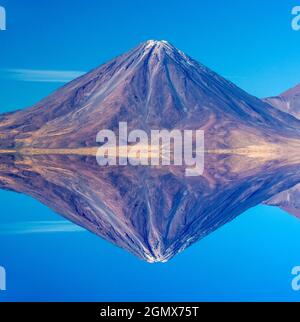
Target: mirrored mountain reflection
(154, 213)
(48, 151)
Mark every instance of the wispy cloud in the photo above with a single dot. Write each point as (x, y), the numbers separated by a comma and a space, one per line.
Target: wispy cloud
(41, 76)
(38, 227)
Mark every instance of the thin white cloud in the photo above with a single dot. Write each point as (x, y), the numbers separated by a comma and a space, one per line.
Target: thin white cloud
(41, 76)
(38, 227)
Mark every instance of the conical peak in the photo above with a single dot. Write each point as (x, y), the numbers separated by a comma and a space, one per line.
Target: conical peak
(162, 48)
(157, 43)
(158, 46)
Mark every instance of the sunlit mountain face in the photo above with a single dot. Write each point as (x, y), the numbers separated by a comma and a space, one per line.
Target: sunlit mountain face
(288, 102)
(251, 151)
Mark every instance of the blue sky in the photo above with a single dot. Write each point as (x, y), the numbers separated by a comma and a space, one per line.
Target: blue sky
(250, 42)
(248, 259)
(49, 42)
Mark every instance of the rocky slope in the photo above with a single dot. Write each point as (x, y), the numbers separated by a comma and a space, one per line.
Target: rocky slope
(288, 101)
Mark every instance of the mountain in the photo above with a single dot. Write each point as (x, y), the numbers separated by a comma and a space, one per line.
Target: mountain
(152, 212)
(288, 101)
(153, 85)
(48, 151)
(288, 200)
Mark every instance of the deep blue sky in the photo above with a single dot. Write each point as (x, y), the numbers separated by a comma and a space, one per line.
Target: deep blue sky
(248, 259)
(249, 42)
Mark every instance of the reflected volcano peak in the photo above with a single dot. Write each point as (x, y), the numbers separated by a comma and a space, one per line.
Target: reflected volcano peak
(250, 151)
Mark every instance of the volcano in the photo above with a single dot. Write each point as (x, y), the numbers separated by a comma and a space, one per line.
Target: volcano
(48, 151)
(288, 102)
(152, 86)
